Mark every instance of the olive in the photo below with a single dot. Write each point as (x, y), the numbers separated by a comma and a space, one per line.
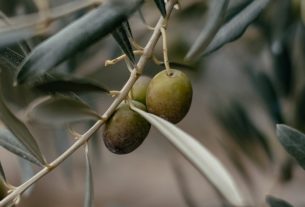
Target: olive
(138, 91)
(169, 95)
(125, 130)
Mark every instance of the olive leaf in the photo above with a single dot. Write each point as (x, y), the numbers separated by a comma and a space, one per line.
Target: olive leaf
(2, 174)
(276, 202)
(199, 156)
(10, 142)
(58, 110)
(161, 6)
(75, 37)
(237, 25)
(235, 7)
(20, 130)
(127, 28)
(89, 188)
(121, 34)
(216, 14)
(293, 141)
(67, 85)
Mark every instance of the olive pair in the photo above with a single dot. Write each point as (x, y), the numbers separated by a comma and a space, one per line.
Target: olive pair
(167, 95)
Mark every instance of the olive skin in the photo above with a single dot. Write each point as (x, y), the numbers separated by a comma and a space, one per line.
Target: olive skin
(125, 130)
(138, 91)
(169, 96)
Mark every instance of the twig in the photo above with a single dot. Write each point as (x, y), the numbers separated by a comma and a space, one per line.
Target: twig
(148, 51)
(165, 51)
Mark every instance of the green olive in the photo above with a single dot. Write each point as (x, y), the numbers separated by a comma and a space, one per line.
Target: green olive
(125, 130)
(169, 95)
(138, 91)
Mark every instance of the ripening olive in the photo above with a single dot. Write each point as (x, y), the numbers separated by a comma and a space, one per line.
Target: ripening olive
(138, 91)
(125, 130)
(169, 95)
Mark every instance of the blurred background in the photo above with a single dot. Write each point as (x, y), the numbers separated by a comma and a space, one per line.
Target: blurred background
(241, 92)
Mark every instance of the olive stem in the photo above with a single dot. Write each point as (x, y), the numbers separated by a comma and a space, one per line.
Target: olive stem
(165, 51)
(134, 75)
(122, 57)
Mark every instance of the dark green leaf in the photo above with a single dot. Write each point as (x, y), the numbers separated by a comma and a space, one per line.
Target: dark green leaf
(276, 202)
(127, 28)
(89, 188)
(20, 130)
(75, 37)
(68, 84)
(60, 110)
(161, 6)
(293, 141)
(2, 174)
(215, 17)
(120, 34)
(237, 25)
(10, 142)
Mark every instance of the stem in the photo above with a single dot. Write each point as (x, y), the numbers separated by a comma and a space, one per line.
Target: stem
(147, 53)
(165, 52)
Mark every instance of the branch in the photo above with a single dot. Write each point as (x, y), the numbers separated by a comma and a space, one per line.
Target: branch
(136, 72)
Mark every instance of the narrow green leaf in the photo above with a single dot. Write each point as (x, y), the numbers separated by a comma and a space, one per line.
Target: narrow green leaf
(120, 34)
(237, 25)
(10, 142)
(235, 7)
(89, 187)
(293, 141)
(58, 110)
(199, 156)
(69, 84)
(161, 6)
(215, 17)
(20, 130)
(127, 28)
(76, 37)
(276, 202)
